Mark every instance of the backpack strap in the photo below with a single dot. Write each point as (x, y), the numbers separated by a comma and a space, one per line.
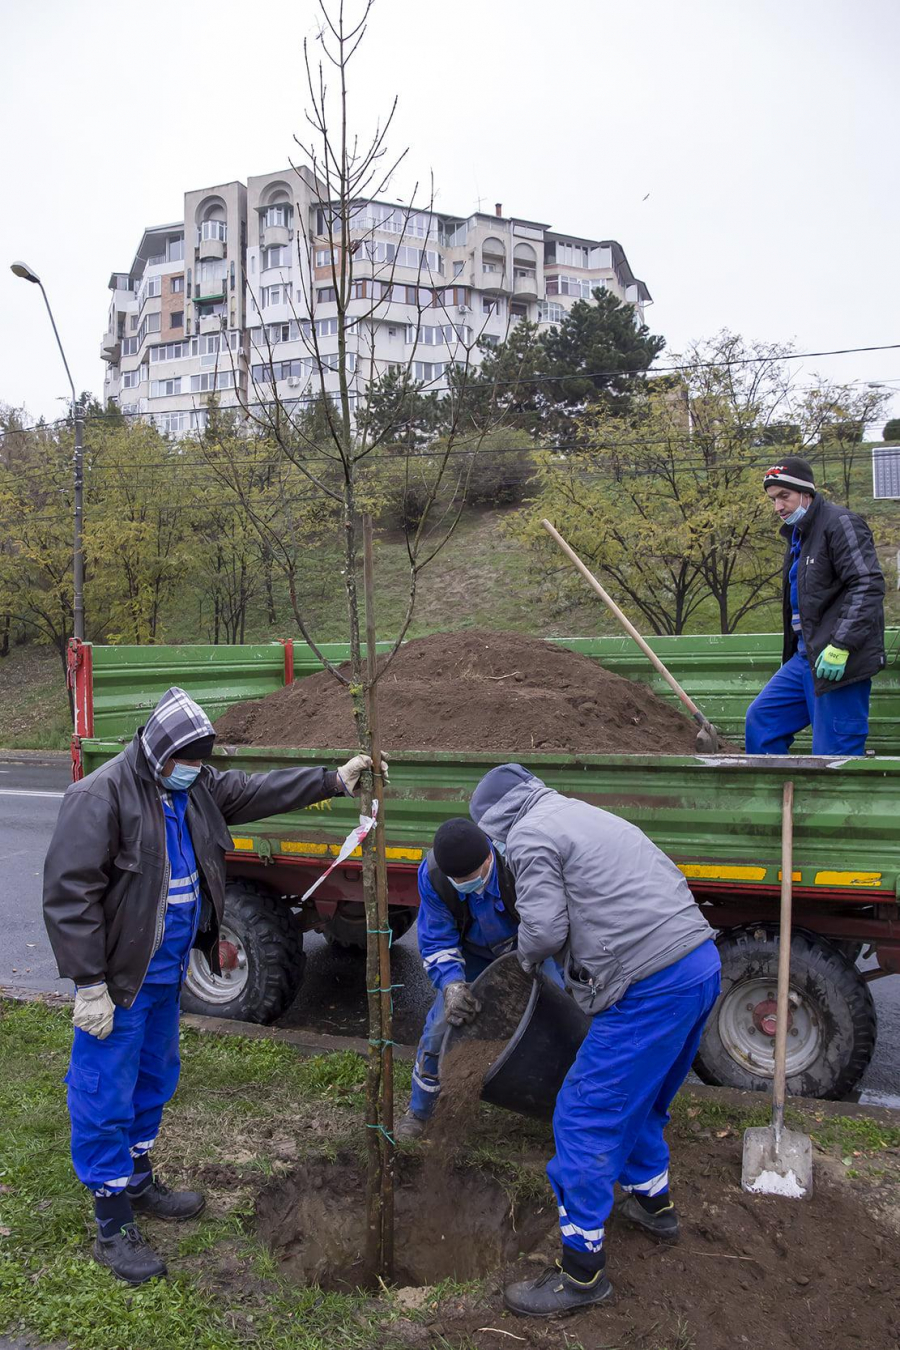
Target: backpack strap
(507, 886)
(444, 887)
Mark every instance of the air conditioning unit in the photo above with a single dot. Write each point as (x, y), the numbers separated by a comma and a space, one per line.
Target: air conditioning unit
(293, 382)
(464, 309)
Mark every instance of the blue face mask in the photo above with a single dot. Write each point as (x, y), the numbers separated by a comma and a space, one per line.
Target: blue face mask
(796, 516)
(181, 778)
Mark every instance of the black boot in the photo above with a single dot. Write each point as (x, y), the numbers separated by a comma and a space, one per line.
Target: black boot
(158, 1200)
(655, 1214)
(120, 1246)
(555, 1293)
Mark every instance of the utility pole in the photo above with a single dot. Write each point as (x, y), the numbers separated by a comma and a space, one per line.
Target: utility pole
(21, 269)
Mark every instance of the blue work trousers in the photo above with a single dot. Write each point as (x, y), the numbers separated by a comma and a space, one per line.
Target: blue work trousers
(613, 1106)
(117, 1088)
(788, 704)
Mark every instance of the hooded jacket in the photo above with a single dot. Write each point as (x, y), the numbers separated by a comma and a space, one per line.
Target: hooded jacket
(106, 871)
(840, 590)
(591, 889)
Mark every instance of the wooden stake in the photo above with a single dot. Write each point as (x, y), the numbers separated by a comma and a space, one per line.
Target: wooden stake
(383, 925)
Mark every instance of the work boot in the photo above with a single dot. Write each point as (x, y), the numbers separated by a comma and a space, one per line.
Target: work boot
(555, 1293)
(158, 1200)
(129, 1256)
(410, 1126)
(645, 1211)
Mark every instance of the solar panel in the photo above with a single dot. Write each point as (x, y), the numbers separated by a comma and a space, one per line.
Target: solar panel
(886, 471)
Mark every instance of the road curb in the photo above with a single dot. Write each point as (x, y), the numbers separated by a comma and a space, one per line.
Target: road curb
(53, 759)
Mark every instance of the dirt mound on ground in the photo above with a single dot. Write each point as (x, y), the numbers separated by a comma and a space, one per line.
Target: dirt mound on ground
(475, 690)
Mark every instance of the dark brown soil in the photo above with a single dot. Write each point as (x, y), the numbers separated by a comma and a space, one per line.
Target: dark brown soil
(462, 1074)
(475, 690)
(750, 1271)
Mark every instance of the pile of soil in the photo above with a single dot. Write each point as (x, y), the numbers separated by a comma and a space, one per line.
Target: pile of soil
(474, 690)
(750, 1271)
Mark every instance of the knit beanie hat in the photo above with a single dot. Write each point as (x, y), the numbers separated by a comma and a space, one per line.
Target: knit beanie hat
(791, 472)
(202, 748)
(460, 847)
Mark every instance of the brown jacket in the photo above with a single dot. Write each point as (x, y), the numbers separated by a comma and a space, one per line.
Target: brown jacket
(106, 871)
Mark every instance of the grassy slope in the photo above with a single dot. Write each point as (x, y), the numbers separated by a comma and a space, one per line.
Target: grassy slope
(480, 579)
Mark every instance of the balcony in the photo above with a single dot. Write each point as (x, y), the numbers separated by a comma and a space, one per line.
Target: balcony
(492, 276)
(211, 248)
(110, 347)
(212, 324)
(272, 236)
(207, 292)
(525, 284)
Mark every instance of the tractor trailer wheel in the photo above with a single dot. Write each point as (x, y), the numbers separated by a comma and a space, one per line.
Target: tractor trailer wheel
(346, 931)
(831, 1031)
(261, 955)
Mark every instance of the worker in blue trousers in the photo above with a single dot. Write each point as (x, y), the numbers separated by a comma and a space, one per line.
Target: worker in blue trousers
(467, 919)
(833, 614)
(640, 960)
(133, 880)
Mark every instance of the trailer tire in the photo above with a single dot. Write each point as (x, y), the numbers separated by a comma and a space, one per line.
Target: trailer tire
(262, 937)
(833, 1023)
(346, 931)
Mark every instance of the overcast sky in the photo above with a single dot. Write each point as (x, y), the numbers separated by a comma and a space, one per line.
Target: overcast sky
(743, 152)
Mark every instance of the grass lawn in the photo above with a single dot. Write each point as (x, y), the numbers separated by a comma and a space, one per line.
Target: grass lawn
(249, 1111)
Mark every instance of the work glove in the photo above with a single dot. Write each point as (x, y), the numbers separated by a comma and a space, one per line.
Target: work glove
(351, 772)
(460, 1004)
(832, 663)
(94, 1010)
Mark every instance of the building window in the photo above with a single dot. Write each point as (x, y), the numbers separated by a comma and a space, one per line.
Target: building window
(212, 380)
(211, 271)
(176, 318)
(491, 304)
(175, 249)
(458, 267)
(169, 351)
(165, 388)
(280, 214)
(550, 312)
(441, 335)
(518, 311)
(489, 340)
(428, 371)
(176, 285)
(211, 310)
(134, 323)
(324, 257)
(326, 295)
(276, 295)
(214, 229)
(131, 379)
(279, 256)
(129, 346)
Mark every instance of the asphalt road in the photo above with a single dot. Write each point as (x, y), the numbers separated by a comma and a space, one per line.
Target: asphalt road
(332, 998)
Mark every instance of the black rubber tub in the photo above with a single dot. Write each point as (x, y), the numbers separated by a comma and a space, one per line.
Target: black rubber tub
(542, 1027)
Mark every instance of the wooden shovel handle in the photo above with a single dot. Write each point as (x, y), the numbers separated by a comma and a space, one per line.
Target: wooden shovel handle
(626, 623)
(784, 956)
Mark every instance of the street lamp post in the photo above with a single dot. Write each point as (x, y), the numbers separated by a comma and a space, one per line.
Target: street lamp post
(21, 269)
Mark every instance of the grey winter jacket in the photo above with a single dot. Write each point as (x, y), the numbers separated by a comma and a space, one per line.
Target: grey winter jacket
(591, 889)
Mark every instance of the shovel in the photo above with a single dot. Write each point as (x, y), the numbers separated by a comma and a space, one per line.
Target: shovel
(779, 1161)
(707, 736)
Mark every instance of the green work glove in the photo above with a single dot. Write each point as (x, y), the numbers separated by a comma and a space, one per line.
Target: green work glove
(832, 663)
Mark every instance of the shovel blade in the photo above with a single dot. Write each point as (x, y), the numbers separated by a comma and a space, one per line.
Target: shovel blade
(777, 1166)
(707, 740)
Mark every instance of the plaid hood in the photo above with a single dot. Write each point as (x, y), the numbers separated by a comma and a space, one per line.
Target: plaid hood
(175, 722)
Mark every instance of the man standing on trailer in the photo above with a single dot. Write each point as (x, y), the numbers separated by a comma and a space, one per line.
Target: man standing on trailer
(134, 879)
(640, 960)
(833, 610)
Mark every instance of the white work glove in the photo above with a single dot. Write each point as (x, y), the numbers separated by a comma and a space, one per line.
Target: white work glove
(94, 1010)
(460, 1004)
(351, 772)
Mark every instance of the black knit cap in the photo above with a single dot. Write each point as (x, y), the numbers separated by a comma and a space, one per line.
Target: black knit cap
(202, 748)
(460, 847)
(791, 472)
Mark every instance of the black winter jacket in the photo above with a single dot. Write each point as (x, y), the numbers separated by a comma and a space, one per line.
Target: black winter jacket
(840, 587)
(106, 872)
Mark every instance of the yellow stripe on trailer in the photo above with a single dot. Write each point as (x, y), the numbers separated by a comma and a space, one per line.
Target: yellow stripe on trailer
(795, 876)
(869, 879)
(311, 850)
(243, 844)
(706, 872)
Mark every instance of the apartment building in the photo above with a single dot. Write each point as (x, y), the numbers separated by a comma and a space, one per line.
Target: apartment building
(238, 298)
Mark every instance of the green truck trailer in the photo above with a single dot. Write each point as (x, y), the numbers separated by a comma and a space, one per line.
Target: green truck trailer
(718, 817)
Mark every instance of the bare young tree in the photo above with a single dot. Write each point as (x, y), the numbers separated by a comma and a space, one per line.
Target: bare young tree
(329, 439)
